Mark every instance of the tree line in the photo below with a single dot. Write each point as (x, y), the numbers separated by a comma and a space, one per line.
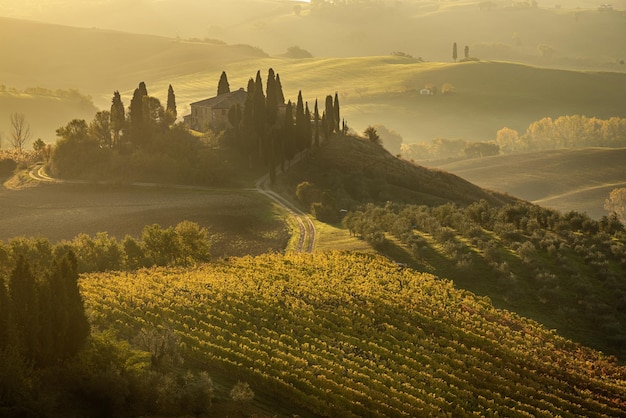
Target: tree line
(564, 267)
(572, 131)
(52, 362)
(270, 132)
(145, 141)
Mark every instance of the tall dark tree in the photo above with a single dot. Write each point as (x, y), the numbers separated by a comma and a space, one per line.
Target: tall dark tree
(77, 329)
(329, 112)
(170, 109)
(466, 51)
(279, 89)
(23, 294)
(136, 116)
(235, 115)
(247, 125)
(7, 336)
(288, 136)
(300, 124)
(259, 113)
(337, 113)
(316, 118)
(143, 89)
(118, 117)
(308, 134)
(454, 52)
(271, 99)
(222, 86)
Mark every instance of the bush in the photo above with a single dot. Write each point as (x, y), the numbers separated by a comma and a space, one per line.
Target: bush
(7, 167)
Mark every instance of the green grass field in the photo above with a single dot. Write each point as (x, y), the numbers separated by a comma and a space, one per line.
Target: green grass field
(565, 180)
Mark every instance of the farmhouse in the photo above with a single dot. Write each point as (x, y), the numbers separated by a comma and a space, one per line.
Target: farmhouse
(213, 113)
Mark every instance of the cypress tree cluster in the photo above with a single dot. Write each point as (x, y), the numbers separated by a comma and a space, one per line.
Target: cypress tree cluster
(271, 132)
(42, 318)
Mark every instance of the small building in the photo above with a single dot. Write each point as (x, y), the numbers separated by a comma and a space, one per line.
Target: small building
(213, 113)
(426, 92)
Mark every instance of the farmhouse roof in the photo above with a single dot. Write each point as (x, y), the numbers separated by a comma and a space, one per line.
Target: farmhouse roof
(223, 101)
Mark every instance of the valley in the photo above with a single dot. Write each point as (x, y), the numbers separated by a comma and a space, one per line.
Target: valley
(402, 214)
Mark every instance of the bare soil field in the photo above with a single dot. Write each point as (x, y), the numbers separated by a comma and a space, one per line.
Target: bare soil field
(239, 222)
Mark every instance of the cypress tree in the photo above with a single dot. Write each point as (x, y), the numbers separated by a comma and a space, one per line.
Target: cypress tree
(23, 295)
(307, 126)
(300, 128)
(279, 89)
(454, 52)
(289, 138)
(259, 113)
(336, 113)
(247, 124)
(170, 108)
(77, 329)
(136, 117)
(7, 332)
(118, 117)
(222, 86)
(329, 111)
(271, 100)
(143, 89)
(316, 117)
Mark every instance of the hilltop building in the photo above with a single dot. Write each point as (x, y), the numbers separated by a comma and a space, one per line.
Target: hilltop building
(213, 112)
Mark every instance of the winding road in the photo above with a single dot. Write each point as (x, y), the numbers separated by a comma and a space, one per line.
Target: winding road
(306, 241)
(306, 228)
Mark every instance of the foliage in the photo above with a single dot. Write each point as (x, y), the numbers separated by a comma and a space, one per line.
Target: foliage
(356, 171)
(616, 203)
(352, 335)
(562, 269)
(184, 244)
(297, 52)
(572, 131)
(372, 135)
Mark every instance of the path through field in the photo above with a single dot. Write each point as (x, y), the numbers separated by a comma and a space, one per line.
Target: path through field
(306, 241)
(61, 209)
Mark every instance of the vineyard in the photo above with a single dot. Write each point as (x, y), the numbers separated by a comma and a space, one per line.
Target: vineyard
(346, 334)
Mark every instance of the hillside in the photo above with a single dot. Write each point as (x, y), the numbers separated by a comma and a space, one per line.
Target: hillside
(44, 110)
(96, 61)
(355, 171)
(341, 334)
(380, 89)
(385, 90)
(565, 180)
(578, 34)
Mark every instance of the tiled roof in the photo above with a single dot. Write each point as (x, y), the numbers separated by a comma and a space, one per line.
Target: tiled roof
(223, 101)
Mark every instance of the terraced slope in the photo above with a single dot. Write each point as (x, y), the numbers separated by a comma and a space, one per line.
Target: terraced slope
(343, 334)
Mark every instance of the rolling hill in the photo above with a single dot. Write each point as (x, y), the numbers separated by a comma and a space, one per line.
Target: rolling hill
(340, 334)
(373, 90)
(580, 36)
(355, 171)
(566, 180)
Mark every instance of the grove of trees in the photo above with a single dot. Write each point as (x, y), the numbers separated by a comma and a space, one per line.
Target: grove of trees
(573, 131)
(144, 142)
(564, 268)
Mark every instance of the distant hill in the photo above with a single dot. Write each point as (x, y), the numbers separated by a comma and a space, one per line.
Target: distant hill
(381, 89)
(97, 61)
(579, 179)
(386, 90)
(44, 110)
(577, 34)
